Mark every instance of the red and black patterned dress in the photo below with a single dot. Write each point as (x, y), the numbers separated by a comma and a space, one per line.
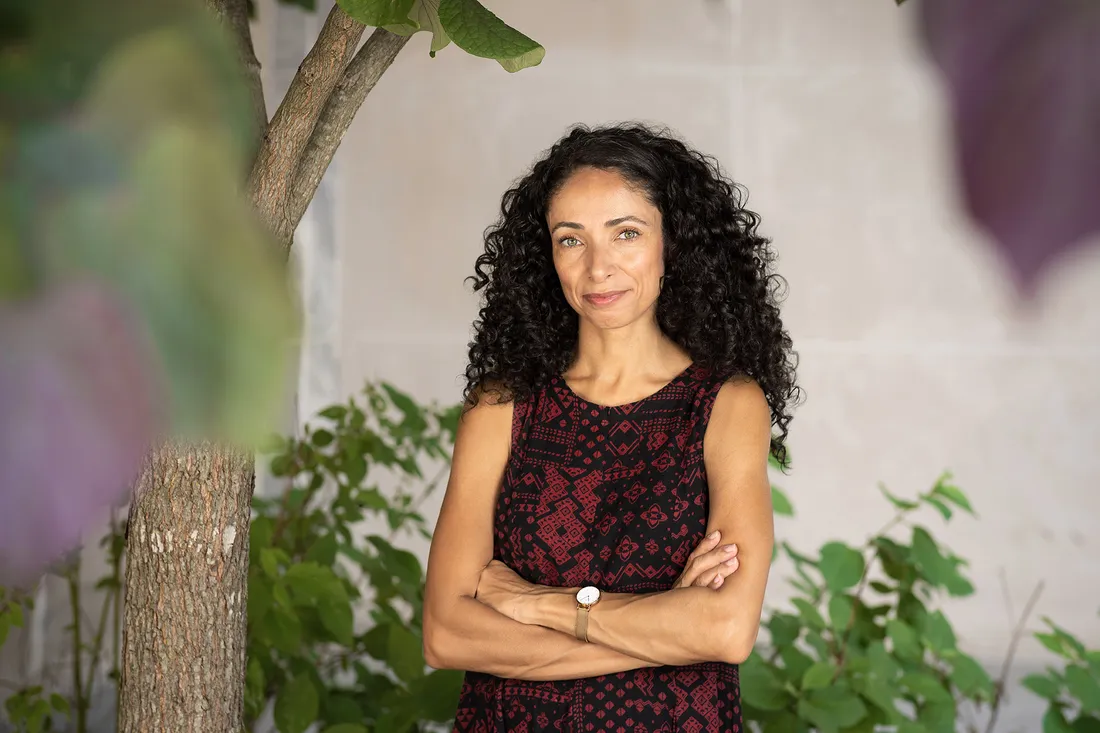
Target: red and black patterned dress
(614, 497)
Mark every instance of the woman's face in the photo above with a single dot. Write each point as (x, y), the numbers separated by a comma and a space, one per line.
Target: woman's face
(608, 250)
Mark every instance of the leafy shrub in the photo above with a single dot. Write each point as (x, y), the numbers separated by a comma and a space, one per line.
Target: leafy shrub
(305, 648)
(863, 644)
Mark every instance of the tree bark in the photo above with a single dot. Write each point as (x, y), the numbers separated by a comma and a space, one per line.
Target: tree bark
(364, 71)
(184, 626)
(184, 633)
(291, 127)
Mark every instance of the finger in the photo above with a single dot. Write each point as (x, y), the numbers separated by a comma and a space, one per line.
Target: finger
(714, 558)
(706, 544)
(722, 570)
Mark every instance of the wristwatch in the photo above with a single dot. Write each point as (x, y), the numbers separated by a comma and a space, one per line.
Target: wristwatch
(587, 597)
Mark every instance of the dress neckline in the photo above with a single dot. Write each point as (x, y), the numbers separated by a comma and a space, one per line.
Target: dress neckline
(668, 385)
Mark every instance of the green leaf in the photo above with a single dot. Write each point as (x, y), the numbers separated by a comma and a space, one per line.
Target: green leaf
(937, 632)
(337, 617)
(905, 640)
(954, 495)
(296, 705)
(321, 438)
(818, 676)
(784, 629)
(1056, 644)
(841, 566)
(926, 686)
(832, 708)
(424, 17)
(1055, 722)
(795, 663)
(938, 505)
(323, 551)
(1083, 686)
(312, 583)
(1069, 641)
(971, 677)
(903, 504)
(810, 615)
(439, 694)
(933, 566)
(478, 32)
(840, 611)
(346, 728)
(335, 413)
(405, 653)
(269, 562)
(377, 13)
(1086, 724)
(760, 688)
(781, 504)
(59, 704)
(1042, 685)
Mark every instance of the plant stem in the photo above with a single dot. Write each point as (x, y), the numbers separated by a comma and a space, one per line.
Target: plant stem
(79, 701)
(1013, 644)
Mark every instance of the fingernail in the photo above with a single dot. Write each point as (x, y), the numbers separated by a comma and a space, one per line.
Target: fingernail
(731, 562)
(730, 548)
(713, 535)
(718, 581)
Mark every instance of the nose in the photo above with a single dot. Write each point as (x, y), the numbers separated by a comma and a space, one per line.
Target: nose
(600, 262)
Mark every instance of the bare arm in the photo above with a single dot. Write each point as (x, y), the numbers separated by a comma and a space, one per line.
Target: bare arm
(461, 632)
(688, 625)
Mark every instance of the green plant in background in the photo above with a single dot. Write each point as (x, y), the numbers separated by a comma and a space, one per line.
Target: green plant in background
(1072, 692)
(864, 645)
(310, 557)
(30, 708)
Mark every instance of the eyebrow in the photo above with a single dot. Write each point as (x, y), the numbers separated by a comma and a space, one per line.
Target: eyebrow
(609, 223)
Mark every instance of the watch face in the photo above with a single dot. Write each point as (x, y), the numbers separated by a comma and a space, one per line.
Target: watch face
(588, 595)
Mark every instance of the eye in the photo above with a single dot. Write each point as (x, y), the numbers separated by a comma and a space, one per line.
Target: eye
(629, 234)
(568, 242)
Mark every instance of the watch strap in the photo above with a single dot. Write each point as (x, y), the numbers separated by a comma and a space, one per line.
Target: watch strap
(582, 623)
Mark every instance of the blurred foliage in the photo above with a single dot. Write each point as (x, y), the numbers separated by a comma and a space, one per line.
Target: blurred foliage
(1072, 690)
(139, 295)
(863, 643)
(310, 560)
(94, 643)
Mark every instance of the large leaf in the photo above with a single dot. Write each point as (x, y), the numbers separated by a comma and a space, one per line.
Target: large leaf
(477, 31)
(296, 705)
(1024, 89)
(832, 708)
(841, 566)
(759, 686)
(377, 13)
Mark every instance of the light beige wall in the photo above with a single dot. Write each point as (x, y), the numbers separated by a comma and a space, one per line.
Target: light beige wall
(914, 354)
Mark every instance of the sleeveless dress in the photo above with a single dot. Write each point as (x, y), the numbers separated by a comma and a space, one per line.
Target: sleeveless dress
(614, 497)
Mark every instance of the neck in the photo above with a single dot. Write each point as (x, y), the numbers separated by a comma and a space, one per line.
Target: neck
(636, 350)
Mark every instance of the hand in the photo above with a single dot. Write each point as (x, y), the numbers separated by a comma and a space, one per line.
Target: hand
(501, 588)
(710, 564)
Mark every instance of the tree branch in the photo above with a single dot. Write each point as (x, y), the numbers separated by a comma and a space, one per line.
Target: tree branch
(291, 128)
(234, 15)
(364, 71)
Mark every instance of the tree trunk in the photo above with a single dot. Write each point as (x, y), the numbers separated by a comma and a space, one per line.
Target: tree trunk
(185, 616)
(183, 665)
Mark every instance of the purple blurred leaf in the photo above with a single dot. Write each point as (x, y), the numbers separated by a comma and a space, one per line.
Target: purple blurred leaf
(1024, 83)
(77, 410)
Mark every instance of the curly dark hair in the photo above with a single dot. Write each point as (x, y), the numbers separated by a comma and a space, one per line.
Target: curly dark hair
(719, 301)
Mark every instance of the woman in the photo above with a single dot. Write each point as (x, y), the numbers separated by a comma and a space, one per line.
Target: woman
(603, 547)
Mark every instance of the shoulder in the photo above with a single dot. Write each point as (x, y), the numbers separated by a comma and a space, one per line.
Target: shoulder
(740, 417)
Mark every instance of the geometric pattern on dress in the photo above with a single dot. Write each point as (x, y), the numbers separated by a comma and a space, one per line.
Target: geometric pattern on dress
(614, 497)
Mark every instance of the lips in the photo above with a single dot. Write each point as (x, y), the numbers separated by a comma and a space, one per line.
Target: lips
(601, 299)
